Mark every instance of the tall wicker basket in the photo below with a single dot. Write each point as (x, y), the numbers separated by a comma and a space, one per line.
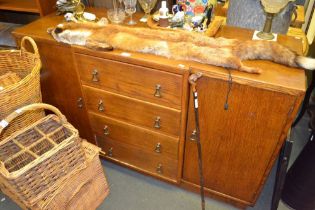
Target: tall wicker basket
(19, 84)
(36, 159)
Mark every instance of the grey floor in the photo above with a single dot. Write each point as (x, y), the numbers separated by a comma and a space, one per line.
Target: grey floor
(133, 191)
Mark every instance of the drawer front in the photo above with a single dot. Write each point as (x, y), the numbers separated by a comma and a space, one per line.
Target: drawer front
(157, 118)
(135, 81)
(139, 159)
(142, 138)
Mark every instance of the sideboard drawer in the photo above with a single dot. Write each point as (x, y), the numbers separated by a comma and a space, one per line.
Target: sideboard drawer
(130, 134)
(139, 159)
(135, 81)
(154, 117)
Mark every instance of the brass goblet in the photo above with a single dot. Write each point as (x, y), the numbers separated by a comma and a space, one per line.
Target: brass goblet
(147, 6)
(271, 7)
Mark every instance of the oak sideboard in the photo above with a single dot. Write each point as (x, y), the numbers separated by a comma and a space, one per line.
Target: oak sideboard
(138, 109)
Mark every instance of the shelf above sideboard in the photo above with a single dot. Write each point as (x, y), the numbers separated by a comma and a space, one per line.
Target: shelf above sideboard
(19, 5)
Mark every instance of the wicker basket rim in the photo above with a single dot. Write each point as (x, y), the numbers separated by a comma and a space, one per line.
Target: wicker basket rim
(27, 78)
(18, 173)
(67, 141)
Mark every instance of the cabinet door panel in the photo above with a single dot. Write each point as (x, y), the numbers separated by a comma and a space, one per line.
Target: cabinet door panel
(61, 87)
(239, 143)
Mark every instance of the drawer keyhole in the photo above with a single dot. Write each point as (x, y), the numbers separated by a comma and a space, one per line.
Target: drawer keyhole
(159, 168)
(158, 148)
(106, 130)
(158, 91)
(110, 152)
(80, 103)
(95, 76)
(193, 136)
(101, 106)
(157, 123)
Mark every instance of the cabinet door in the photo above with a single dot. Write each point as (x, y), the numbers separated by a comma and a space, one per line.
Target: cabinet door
(240, 144)
(61, 87)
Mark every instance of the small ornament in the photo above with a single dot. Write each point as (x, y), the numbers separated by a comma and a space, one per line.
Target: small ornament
(65, 6)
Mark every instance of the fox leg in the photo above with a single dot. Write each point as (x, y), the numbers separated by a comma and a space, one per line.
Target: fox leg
(98, 45)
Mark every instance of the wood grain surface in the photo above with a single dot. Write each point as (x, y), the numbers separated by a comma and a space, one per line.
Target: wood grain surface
(140, 159)
(134, 135)
(131, 80)
(60, 85)
(237, 143)
(134, 111)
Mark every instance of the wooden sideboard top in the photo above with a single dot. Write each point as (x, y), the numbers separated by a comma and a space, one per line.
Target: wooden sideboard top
(274, 77)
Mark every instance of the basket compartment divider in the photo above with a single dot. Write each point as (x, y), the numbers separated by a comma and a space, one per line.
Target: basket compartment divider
(46, 136)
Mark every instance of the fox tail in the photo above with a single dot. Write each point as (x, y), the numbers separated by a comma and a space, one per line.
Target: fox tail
(266, 50)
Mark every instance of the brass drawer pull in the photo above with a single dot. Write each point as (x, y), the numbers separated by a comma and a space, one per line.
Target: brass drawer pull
(106, 130)
(158, 91)
(110, 152)
(157, 123)
(158, 148)
(193, 136)
(101, 106)
(80, 102)
(159, 168)
(95, 76)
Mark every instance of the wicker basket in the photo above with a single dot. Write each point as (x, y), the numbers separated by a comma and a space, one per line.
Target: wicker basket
(20, 79)
(36, 159)
(84, 190)
(8, 79)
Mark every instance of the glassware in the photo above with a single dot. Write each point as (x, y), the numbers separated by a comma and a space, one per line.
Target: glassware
(116, 16)
(147, 6)
(274, 6)
(130, 8)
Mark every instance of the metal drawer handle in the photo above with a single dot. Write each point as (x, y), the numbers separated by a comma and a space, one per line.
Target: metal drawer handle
(101, 106)
(80, 102)
(193, 135)
(158, 148)
(158, 91)
(157, 123)
(159, 168)
(106, 130)
(95, 76)
(110, 152)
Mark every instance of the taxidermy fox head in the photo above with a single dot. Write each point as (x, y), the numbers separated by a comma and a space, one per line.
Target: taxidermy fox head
(75, 33)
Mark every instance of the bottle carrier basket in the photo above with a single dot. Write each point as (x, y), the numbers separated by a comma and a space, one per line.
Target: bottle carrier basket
(86, 189)
(34, 160)
(19, 84)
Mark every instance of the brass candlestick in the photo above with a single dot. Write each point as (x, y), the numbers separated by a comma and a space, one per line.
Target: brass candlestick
(266, 33)
(271, 7)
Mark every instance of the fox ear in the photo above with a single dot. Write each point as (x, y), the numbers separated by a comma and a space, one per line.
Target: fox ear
(103, 21)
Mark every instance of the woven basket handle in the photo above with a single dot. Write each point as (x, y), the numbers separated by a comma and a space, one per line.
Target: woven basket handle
(33, 43)
(32, 107)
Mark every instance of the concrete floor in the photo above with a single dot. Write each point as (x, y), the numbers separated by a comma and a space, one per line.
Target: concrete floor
(133, 191)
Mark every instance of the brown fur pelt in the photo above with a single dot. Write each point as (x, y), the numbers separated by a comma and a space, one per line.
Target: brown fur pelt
(182, 45)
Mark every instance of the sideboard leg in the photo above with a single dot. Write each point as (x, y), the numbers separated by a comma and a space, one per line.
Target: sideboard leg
(282, 167)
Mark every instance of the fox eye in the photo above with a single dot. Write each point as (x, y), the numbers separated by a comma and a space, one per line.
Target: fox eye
(58, 30)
